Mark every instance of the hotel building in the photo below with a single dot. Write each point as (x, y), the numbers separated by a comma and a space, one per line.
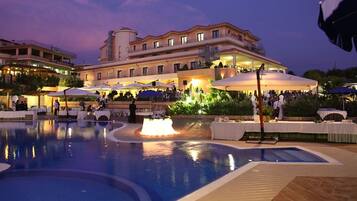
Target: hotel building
(33, 58)
(193, 57)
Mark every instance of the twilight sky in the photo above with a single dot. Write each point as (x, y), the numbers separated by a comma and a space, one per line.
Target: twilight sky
(288, 28)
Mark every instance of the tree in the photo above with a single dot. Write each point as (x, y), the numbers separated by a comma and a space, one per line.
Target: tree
(71, 81)
(315, 74)
(290, 72)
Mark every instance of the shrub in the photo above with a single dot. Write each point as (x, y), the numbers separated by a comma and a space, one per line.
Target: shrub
(302, 106)
(231, 107)
(217, 102)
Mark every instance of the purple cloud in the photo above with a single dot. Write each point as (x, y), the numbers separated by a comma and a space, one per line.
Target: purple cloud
(81, 26)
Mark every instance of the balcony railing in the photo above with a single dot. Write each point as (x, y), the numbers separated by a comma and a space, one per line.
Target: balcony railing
(42, 59)
(245, 45)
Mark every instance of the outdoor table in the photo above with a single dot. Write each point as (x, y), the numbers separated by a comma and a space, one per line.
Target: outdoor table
(18, 115)
(100, 113)
(336, 131)
(71, 113)
(323, 112)
(81, 115)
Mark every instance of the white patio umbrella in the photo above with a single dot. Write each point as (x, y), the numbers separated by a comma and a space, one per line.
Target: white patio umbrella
(118, 87)
(74, 92)
(338, 20)
(162, 85)
(100, 87)
(269, 81)
(136, 86)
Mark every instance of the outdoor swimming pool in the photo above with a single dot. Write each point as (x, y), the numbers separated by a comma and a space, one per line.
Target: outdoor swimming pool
(75, 161)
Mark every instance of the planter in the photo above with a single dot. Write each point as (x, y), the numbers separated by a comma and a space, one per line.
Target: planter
(266, 118)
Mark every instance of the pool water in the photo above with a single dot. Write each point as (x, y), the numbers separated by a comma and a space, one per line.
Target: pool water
(165, 170)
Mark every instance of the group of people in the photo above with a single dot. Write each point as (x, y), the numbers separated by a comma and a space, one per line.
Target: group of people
(82, 106)
(271, 99)
(21, 105)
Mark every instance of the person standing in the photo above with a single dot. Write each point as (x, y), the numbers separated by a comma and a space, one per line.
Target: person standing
(82, 105)
(57, 106)
(132, 114)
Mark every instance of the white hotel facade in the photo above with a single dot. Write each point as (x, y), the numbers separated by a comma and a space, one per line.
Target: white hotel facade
(193, 57)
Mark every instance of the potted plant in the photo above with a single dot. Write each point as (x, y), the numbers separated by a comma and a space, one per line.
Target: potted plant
(267, 113)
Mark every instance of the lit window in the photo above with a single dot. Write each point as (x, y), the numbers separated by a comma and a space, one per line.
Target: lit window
(215, 34)
(144, 46)
(156, 44)
(160, 69)
(131, 72)
(183, 39)
(118, 73)
(99, 76)
(145, 70)
(200, 37)
(170, 42)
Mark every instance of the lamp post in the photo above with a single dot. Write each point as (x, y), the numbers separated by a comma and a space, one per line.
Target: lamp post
(260, 102)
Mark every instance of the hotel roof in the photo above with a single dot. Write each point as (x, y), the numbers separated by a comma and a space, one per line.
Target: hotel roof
(194, 28)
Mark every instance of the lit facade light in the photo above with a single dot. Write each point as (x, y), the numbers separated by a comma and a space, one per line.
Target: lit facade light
(195, 82)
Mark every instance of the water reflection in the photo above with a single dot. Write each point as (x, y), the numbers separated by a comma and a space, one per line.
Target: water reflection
(29, 140)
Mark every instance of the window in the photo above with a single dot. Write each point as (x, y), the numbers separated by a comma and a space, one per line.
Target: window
(183, 39)
(176, 67)
(160, 69)
(86, 77)
(215, 34)
(194, 65)
(118, 73)
(144, 46)
(131, 72)
(240, 37)
(36, 52)
(156, 44)
(170, 42)
(200, 37)
(134, 47)
(23, 51)
(145, 71)
(99, 76)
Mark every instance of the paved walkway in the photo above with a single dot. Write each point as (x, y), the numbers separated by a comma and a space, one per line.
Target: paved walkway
(275, 181)
(319, 189)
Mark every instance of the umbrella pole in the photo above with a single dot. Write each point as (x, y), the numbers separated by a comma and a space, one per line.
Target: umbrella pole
(65, 101)
(260, 101)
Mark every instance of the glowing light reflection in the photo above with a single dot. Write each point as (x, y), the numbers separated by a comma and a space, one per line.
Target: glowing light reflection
(232, 164)
(194, 154)
(6, 152)
(33, 152)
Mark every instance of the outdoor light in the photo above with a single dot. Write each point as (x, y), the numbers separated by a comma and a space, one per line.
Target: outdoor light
(195, 82)
(158, 127)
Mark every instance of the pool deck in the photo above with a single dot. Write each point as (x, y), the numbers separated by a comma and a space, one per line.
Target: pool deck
(278, 182)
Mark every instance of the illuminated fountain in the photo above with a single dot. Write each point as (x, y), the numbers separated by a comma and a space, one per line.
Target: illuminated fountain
(158, 127)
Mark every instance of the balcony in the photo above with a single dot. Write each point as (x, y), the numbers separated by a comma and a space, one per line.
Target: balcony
(41, 59)
(194, 43)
